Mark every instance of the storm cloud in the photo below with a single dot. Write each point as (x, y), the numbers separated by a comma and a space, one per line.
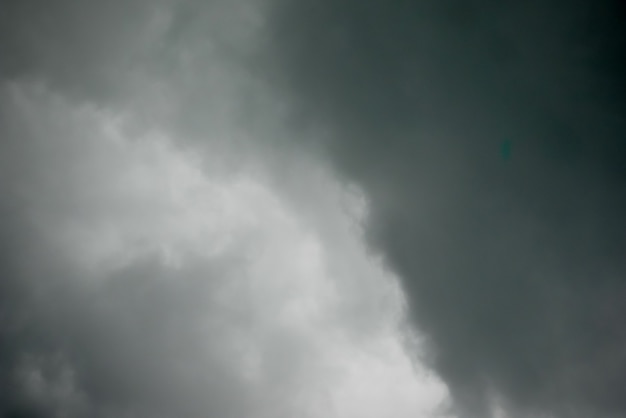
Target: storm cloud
(137, 281)
(489, 137)
(161, 255)
(205, 206)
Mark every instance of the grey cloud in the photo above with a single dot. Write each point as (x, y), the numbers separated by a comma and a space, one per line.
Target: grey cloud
(81, 47)
(189, 66)
(513, 267)
(138, 338)
(147, 338)
(108, 52)
(145, 341)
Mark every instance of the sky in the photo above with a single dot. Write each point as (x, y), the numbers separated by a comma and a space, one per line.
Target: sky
(298, 208)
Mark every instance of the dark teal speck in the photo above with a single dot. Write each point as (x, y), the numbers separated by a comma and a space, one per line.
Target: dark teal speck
(505, 150)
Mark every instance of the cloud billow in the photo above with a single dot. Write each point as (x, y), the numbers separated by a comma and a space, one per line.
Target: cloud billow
(138, 279)
(487, 139)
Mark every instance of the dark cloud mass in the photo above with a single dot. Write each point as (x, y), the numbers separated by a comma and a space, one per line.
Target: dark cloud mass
(513, 264)
(487, 136)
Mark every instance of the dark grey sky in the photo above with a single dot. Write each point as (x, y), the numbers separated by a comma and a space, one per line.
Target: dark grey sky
(172, 243)
(514, 267)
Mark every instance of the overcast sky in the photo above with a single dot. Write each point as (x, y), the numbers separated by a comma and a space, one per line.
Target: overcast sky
(312, 208)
